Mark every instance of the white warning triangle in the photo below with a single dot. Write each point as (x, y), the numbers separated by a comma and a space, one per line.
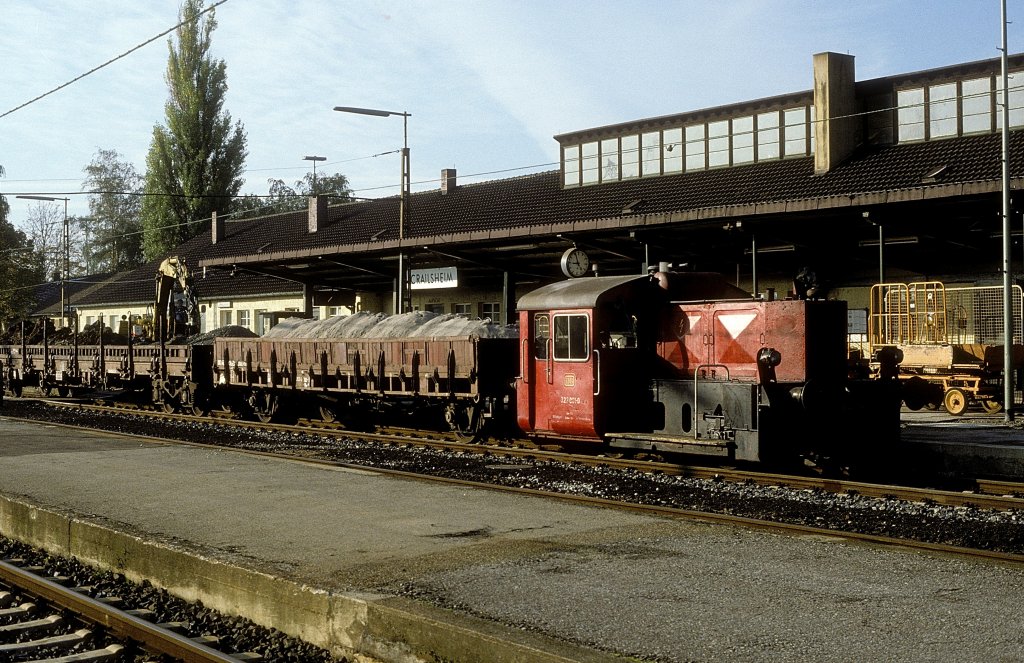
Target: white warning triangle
(735, 323)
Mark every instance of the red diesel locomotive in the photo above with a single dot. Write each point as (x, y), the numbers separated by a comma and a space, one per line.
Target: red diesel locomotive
(685, 362)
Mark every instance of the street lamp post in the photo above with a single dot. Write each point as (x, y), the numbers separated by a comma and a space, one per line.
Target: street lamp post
(67, 252)
(314, 159)
(403, 203)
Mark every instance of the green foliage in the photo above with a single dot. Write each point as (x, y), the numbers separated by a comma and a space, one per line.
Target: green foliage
(21, 269)
(195, 163)
(113, 230)
(284, 198)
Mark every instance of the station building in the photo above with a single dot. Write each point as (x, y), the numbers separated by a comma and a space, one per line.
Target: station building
(856, 182)
(890, 179)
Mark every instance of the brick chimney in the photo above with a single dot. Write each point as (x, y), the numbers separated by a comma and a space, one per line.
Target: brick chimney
(317, 212)
(836, 133)
(447, 180)
(216, 228)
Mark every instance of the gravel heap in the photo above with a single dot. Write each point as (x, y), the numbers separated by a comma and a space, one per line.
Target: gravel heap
(416, 324)
(231, 331)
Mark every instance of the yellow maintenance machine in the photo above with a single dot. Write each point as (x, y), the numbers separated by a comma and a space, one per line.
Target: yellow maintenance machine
(952, 341)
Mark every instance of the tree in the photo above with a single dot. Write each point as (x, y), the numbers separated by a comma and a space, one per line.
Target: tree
(195, 163)
(20, 269)
(44, 228)
(284, 198)
(113, 230)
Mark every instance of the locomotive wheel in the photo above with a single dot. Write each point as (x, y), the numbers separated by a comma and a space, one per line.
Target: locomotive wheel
(955, 401)
(465, 421)
(991, 405)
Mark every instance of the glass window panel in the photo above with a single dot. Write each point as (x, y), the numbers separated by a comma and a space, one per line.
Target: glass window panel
(910, 115)
(541, 334)
(743, 139)
(976, 102)
(571, 165)
(630, 146)
(590, 163)
(651, 153)
(768, 136)
(718, 143)
(1015, 83)
(696, 148)
(490, 310)
(672, 151)
(610, 160)
(942, 110)
(810, 114)
(795, 131)
(571, 339)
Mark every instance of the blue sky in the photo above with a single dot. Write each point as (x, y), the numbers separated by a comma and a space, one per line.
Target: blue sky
(488, 83)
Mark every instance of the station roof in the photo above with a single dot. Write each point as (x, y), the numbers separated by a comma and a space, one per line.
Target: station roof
(937, 196)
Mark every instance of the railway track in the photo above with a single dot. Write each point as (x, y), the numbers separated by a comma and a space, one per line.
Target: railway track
(1001, 502)
(982, 493)
(44, 620)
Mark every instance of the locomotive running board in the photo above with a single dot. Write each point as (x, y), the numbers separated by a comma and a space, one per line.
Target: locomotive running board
(672, 443)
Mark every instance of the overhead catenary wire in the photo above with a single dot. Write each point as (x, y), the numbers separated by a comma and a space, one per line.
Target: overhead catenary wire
(108, 62)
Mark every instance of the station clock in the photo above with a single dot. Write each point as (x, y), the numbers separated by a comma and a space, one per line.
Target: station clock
(575, 263)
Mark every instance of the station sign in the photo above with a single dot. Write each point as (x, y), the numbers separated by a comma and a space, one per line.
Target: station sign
(434, 278)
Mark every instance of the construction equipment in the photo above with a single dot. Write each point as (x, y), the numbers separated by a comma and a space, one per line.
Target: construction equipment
(176, 311)
(952, 341)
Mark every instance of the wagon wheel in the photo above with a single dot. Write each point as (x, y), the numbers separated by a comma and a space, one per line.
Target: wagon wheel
(168, 405)
(63, 391)
(328, 414)
(16, 388)
(464, 420)
(263, 405)
(991, 405)
(229, 410)
(955, 401)
(267, 407)
(193, 403)
(45, 388)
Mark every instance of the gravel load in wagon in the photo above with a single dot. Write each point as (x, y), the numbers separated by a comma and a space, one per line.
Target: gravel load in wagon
(365, 325)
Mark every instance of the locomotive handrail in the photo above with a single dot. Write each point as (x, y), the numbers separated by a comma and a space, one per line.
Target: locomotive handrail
(550, 363)
(523, 374)
(597, 372)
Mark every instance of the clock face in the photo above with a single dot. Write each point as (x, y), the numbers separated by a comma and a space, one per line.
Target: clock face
(575, 263)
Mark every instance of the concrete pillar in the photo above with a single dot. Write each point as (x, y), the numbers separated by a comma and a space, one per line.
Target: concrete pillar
(836, 133)
(508, 298)
(307, 299)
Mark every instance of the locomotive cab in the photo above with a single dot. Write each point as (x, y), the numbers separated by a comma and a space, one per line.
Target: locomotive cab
(586, 350)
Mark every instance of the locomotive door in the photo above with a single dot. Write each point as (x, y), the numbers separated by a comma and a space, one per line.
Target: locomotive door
(738, 334)
(560, 374)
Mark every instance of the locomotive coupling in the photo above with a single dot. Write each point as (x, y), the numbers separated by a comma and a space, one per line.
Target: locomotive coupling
(889, 359)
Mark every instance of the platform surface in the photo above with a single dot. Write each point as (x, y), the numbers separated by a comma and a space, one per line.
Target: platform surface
(628, 584)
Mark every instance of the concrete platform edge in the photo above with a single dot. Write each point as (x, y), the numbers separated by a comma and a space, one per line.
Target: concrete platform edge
(364, 627)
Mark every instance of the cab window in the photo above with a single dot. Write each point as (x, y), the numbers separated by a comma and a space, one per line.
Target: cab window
(572, 337)
(541, 335)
